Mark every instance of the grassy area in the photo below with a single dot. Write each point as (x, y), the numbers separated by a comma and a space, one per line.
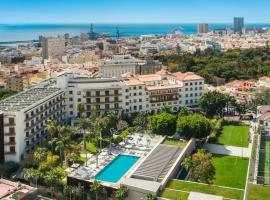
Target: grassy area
(175, 195)
(258, 192)
(196, 187)
(231, 171)
(233, 136)
(174, 142)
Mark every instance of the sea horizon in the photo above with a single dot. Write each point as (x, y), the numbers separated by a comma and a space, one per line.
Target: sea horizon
(31, 31)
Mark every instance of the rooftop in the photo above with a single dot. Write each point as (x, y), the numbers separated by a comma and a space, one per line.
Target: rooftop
(186, 76)
(156, 166)
(29, 97)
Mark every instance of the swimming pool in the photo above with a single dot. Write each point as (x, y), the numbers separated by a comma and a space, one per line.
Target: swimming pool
(114, 171)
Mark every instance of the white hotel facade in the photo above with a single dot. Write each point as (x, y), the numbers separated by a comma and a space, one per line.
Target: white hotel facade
(24, 116)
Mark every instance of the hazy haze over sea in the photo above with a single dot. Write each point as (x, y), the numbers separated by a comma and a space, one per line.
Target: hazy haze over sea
(22, 32)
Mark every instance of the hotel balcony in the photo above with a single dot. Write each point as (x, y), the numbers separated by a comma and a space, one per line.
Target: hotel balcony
(163, 100)
(9, 124)
(102, 95)
(10, 143)
(10, 152)
(10, 134)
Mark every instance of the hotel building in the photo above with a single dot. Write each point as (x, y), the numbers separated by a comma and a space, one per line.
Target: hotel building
(24, 116)
(23, 119)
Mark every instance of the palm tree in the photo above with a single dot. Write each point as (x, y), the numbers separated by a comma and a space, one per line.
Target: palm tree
(84, 124)
(80, 109)
(52, 128)
(96, 187)
(112, 130)
(32, 175)
(63, 145)
(40, 154)
(121, 193)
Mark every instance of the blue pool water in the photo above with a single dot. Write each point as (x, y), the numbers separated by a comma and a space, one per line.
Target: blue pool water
(114, 171)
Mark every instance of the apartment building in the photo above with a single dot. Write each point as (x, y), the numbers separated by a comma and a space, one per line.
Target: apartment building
(53, 48)
(17, 83)
(23, 119)
(121, 64)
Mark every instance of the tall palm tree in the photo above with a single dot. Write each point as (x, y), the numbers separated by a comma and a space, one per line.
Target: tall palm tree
(40, 154)
(112, 131)
(63, 145)
(52, 128)
(80, 109)
(32, 175)
(96, 187)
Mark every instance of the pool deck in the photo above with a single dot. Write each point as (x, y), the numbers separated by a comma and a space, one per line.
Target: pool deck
(140, 145)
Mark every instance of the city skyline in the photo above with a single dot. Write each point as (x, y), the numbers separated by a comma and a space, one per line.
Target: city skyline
(108, 11)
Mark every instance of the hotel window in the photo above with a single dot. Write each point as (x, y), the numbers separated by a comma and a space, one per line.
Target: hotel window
(107, 93)
(186, 89)
(134, 88)
(140, 107)
(97, 93)
(78, 92)
(135, 94)
(191, 84)
(116, 92)
(116, 105)
(71, 112)
(88, 94)
(196, 83)
(186, 84)
(116, 99)
(70, 92)
(140, 100)
(134, 107)
(70, 99)
(97, 100)
(186, 101)
(70, 105)
(200, 88)
(107, 106)
(126, 90)
(12, 149)
(186, 95)
(140, 93)
(140, 87)
(79, 100)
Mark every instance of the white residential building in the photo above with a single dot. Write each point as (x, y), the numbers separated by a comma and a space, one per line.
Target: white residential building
(23, 119)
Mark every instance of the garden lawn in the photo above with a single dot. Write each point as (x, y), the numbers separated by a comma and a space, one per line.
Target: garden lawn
(186, 186)
(173, 142)
(231, 171)
(257, 192)
(233, 136)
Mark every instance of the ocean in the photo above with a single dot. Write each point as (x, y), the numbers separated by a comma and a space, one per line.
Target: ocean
(23, 32)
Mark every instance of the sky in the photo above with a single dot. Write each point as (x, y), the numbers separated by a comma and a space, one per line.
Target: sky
(133, 11)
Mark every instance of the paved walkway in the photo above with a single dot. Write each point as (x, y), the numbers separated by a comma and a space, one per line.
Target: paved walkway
(228, 150)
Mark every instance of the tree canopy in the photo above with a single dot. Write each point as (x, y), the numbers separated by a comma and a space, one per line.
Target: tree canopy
(219, 67)
(196, 126)
(200, 167)
(162, 123)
